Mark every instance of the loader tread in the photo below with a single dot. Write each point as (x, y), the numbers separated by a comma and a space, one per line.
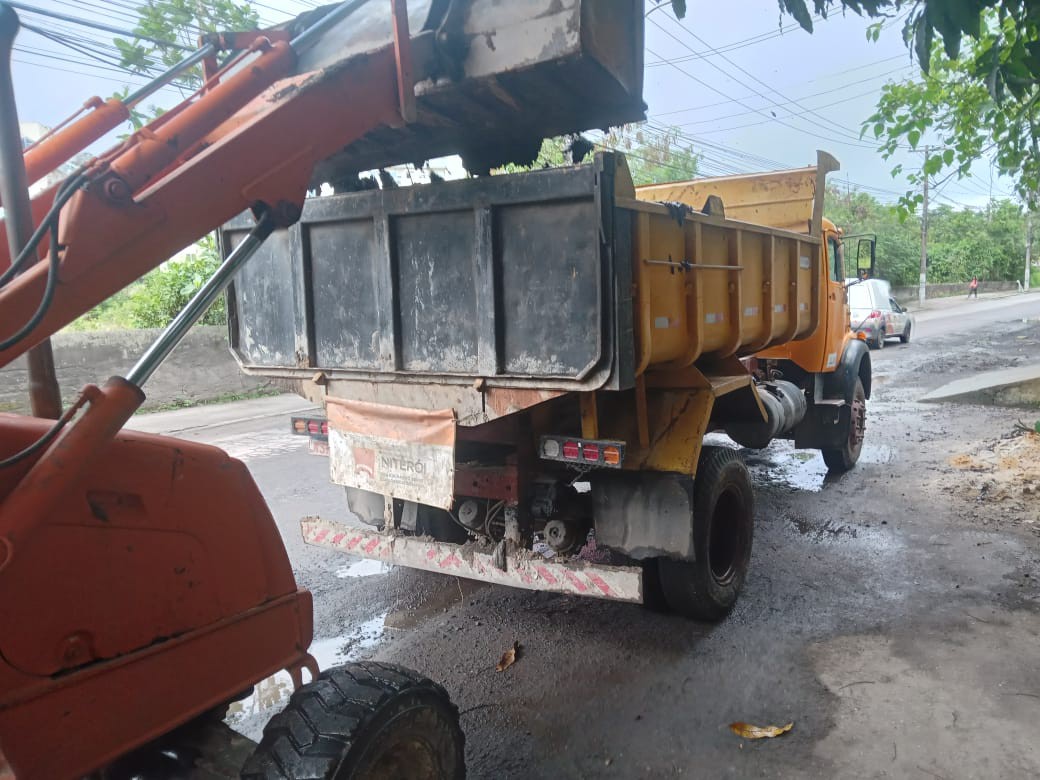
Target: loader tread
(332, 726)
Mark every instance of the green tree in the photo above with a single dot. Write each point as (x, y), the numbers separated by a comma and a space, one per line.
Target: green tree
(961, 242)
(964, 119)
(160, 295)
(979, 97)
(655, 157)
(899, 242)
(180, 22)
(1012, 62)
(652, 157)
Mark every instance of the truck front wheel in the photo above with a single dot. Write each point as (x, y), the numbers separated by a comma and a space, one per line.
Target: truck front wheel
(841, 459)
(707, 587)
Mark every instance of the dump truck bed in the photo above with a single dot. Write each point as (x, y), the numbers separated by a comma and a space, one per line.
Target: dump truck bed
(488, 295)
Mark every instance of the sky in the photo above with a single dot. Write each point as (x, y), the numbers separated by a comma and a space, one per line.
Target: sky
(747, 89)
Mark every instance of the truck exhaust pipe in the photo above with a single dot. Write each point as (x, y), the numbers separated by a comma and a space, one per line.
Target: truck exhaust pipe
(785, 407)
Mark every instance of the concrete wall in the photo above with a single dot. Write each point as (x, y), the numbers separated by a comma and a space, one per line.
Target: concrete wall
(200, 369)
(909, 294)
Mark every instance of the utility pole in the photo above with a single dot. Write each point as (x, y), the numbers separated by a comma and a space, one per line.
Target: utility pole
(921, 291)
(1029, 251)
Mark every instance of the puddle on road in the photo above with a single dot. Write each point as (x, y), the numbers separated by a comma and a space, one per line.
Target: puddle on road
(270, 695)
(366, 567)
(782, 465)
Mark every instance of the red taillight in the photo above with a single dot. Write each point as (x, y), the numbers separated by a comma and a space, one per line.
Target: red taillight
(313, 426)
(571, 450)
(591, 452)
(874, 315)
(325, 429)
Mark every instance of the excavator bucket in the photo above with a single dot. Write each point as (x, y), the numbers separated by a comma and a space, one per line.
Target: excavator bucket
(492, 78)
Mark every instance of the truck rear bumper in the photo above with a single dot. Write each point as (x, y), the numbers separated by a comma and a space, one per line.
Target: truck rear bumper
(524, 570)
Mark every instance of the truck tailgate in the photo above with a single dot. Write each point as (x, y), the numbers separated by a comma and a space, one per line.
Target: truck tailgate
(507, 278)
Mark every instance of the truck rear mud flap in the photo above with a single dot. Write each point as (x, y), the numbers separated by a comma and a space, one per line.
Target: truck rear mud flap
(520, 570)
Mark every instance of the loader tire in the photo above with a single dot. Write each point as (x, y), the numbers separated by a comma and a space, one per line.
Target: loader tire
(841, 459)
(363, 721)
(707, 587)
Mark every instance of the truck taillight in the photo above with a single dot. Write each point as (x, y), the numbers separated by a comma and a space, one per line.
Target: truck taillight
(313, 427)
(325, 428)
(580, 452)
(874, 315)
(299, 425)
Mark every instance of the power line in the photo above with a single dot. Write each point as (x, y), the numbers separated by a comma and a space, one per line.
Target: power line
(763, 122)
(93, 25)
(762, 112)
(841, 88)
(735, 45)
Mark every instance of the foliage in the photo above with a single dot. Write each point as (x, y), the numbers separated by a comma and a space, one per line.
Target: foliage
(652, 157)
(161, 294)
(553, 154)
(1014, 57)
(961, 243)
(180, 22)
(157, 297)
(959, 105)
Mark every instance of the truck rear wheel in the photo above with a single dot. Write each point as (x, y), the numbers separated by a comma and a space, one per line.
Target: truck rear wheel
(841, 459)
(363, 720)
(707, 587)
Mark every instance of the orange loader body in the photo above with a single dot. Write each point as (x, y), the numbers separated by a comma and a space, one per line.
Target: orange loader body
(143, 581)
(160, 590)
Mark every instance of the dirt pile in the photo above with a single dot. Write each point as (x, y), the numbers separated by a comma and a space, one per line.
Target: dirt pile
(1004, 475)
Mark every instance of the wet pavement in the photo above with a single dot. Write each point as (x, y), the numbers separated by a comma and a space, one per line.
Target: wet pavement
(894, 618)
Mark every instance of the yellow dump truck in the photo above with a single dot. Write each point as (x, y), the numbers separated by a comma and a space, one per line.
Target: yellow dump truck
(519, 370)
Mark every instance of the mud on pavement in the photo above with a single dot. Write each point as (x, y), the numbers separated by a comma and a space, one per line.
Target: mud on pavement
(891, 613)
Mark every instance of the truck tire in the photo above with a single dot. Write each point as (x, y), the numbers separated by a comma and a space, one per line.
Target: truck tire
(707, 587)
(363, 720)
(905, 335)
(841, 459)
(879, 339)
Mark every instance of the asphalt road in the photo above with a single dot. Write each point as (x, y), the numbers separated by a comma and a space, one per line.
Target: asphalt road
(967, 315)
(891, 614)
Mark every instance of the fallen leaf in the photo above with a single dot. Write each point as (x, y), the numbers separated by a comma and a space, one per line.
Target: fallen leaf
(748, 731)
(508, 658)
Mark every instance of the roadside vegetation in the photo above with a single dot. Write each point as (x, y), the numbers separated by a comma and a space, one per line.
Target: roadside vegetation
(988, 242)
(156, 298)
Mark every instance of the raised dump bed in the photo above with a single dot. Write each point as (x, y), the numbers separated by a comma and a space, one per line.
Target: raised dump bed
(493, 78)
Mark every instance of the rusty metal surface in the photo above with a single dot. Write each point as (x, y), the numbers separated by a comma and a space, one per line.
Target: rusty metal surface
(494, 78)
(494, 482)
(522, 570)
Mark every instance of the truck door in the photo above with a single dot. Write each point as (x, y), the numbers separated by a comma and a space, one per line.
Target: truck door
(837, 306)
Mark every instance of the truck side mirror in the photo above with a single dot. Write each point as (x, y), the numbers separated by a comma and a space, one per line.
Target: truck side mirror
(866, 258)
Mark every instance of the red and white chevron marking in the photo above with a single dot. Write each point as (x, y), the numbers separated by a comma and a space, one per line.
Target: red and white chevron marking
(619, 583)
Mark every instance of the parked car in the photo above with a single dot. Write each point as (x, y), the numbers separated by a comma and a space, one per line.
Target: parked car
(874, 312)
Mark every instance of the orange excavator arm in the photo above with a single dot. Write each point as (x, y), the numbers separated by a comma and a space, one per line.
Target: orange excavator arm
(250, 139)
(238, 144)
